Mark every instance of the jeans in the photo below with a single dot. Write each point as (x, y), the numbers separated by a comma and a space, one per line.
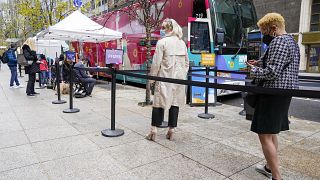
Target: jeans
(44, 77)
(89, 84)
(31, 81)
(14, 76)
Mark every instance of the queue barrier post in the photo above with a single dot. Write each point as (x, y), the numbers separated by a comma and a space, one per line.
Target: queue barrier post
(59, 101)
(113, 132)
(216, 103)
(206, 115)
(71, 109)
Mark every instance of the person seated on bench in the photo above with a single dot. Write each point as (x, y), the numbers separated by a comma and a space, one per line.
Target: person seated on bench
(88, 81)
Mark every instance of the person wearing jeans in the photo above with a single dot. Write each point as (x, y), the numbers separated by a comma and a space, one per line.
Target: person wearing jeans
(12, 63)
(44, 70)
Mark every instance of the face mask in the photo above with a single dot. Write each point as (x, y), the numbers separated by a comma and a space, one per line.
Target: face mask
(162, 33)
(267, 39)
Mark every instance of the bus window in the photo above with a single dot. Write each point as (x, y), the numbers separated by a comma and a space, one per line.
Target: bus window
(199, 9)
(199, 38)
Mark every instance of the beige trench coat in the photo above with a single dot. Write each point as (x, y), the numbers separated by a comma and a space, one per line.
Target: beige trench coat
(171, 61)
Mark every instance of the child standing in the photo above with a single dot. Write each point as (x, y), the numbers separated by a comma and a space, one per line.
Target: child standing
(44, 70)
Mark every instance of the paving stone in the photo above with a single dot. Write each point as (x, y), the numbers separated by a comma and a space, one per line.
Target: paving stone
(90, 166)
(249, 142)
(139, 153)
(183, 141)
(172, 168)
(15, 157)
(215, 133)
(104, 142)
(33, 172)
(222, 158)
(13, 138)
(311, 144)
(59, 148)
(9, 125)
(300, 160)
(251, 173)
(51, 132)
(36, 123)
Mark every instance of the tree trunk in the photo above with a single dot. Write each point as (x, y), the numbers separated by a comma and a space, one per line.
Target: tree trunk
(148, 42)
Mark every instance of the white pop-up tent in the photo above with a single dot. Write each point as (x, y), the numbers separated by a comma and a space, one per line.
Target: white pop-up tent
(78, 27)
(50, 48)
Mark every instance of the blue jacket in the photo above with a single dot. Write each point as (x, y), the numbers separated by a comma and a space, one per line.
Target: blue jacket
(11, 55)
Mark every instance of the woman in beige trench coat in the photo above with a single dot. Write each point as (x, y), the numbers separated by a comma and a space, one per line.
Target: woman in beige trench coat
(170, 61)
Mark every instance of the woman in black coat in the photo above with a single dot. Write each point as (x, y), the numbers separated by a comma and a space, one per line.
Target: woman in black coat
(32, 69)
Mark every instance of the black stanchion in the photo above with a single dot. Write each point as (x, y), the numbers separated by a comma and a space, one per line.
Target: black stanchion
(216, 103)
(206, 115)
(20, 72)
(113, 132)
(59, 101)
(71, 108)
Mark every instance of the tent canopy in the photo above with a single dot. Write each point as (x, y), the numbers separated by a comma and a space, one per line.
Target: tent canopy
(78, 27)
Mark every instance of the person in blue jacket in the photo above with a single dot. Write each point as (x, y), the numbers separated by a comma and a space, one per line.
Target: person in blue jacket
(12, 63)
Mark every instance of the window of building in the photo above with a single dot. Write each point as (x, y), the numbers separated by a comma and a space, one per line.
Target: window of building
(313, 63)
(315, 16)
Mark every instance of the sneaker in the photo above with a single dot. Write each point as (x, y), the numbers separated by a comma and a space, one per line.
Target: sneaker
(20, 86)
(11, 87)
(264, 170)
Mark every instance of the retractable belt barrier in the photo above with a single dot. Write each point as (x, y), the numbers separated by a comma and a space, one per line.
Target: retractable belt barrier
(134, 73)
(253, 89)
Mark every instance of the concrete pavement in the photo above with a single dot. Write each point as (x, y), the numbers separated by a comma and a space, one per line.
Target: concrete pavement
(38, 141)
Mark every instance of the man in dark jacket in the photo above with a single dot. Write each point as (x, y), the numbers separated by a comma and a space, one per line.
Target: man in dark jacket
(12, 63)
(84, 77)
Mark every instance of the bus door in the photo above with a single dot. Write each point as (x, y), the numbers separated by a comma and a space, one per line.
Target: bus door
(201, 53)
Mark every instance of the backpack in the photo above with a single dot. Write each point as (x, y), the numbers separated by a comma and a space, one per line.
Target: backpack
(5, 58)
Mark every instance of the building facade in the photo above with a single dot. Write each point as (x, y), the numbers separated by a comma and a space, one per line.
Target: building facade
(303, 20)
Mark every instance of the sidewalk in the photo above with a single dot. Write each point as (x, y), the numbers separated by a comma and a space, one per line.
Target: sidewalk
(38, 141)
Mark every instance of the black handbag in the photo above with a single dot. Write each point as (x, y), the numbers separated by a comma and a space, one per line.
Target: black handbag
(251, 98)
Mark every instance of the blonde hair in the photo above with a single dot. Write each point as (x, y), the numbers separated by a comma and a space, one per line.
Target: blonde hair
(172, 25)
(271, 19)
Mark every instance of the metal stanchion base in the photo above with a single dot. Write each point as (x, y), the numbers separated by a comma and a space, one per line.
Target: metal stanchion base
(206, 116)
(217, 104)
(74, 110)
(164, 124)
(59, 102)
(112, 133)
(242, 113)
(42, 87)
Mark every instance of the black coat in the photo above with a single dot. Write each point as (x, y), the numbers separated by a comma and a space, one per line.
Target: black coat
(31, 56)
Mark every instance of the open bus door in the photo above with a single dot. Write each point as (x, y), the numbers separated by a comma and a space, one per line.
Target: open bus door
(201, 53)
